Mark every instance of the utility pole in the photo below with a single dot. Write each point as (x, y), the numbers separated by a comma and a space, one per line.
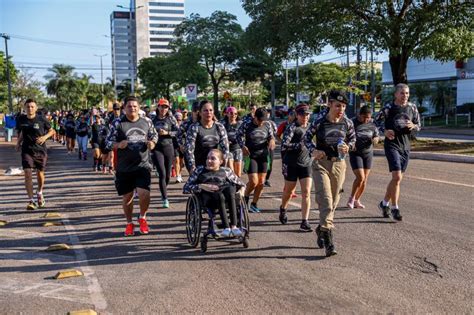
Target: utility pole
(101, 77)
(357, 97)
(372, 79)
(297, 92)
(10, 101)
(286, 85)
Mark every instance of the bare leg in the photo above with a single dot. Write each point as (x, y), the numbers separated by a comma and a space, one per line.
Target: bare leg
(238, 168)
(40, 176)
(259, 187)
(361, 189)
(127, 204)
(29, 182)
(393, 188)
(287, 191)
(251, 184)
(358, 181)
(144, 201)
(305, 184)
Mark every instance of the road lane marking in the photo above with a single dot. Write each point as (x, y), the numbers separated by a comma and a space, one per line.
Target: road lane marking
(95, 290)
(439, 181)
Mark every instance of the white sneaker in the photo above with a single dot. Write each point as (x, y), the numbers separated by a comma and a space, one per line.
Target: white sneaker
(226, 232)
(236, 232)
(179, 179)
(350, 204)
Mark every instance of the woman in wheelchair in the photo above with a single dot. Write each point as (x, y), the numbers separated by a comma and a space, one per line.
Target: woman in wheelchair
(217, 185)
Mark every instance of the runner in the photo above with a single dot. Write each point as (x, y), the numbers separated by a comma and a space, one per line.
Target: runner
(280, 130)
(255, 137)
(252, 108)
(105, 153)
(96, 126)
(203, 136)
(82, 136)
(33, 131)
(270, 152)
(133, 137)
(232, 123)
(397, 120)
(183, 130)
(178, 162)
(70, 126)
(115, 114)
(296, 164)
(335, 136)
(62, 130)
(367, 134)
(163, 154)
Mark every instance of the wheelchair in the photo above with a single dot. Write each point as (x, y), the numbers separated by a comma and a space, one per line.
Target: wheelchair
(195, 218)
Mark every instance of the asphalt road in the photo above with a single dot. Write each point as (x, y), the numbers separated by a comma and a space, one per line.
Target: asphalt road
(421, 265)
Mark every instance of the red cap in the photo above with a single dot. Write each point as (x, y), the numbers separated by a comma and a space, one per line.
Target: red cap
(163, 102)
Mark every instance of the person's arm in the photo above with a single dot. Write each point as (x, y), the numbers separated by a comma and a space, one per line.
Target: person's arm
(152, 136)
(351, 135)
(286, 144)
(174, 127)
(191, 145)
(49, 134)
(191, 185)
(112, 136)
(380, 118)
(19, 140)
(416, 119)
(223, 140)
(233, 178)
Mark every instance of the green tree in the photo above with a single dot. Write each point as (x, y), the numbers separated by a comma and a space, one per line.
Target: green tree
(3, 80)
(216, 39)
(62, 84)
(407, 28)
(26, 87)
(421, 91)
(443, 98)
(82, 86)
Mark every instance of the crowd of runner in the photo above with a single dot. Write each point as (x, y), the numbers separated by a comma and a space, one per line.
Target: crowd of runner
(132, 143)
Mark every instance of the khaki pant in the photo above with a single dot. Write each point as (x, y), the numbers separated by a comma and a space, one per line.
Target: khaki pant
(328, 177)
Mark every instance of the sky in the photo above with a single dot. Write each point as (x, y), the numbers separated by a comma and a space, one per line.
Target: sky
(44, 32)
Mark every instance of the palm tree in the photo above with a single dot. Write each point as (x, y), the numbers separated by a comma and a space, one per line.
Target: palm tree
(82, 88)
(61, 84)
(109, 91)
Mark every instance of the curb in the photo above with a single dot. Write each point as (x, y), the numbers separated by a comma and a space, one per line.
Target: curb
(458, 158)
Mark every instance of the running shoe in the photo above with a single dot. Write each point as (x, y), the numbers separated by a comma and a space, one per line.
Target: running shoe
(129, 229)
(166, 203)
(385, 210)
(41, 202)
(143, 226)
(396, 215)
(226, 232)
(283, 217)
(236, 232)
(31, 205)
(267, 184)
(305, 226)
(254, 208)
(179, 179)
(358, 205)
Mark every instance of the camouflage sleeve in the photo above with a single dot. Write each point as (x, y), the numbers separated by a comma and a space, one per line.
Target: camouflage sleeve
(350, 135)
(380, 118)
(191, 144)
(286, 139)
(113, 134)
(309, 135)
(416, 118)
(152, 134)
(233, 178)
(240, 135)
(191, 185)
(181, 134)
(174, 127)
(223, 140)
(271, 132)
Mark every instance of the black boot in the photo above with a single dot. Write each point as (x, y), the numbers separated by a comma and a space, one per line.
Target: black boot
(283, 217)
(328, 243)
(319, 235)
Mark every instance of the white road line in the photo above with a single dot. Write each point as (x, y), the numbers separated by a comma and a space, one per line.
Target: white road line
(95, 290)
(439, 181)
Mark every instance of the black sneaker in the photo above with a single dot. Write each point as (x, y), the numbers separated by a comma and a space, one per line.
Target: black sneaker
(328, 243)
(396, 215)
(319, 235)
(283, 217)
(267, 184)
(305, 226)
(385, 210)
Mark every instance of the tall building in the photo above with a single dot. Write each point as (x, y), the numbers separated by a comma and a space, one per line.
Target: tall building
(149, 34)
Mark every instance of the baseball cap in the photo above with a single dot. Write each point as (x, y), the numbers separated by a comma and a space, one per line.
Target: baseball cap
(302, 109)
(163, 102)
(338, 96)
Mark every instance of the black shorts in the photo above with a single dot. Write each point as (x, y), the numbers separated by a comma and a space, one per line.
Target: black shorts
(361, 160)
(397, 160)
(71, 135)
(258, 165)
(292, 171)
(34, 160)
(126, 182)
(62, 132)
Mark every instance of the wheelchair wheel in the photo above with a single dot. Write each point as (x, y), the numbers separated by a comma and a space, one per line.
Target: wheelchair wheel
(193, 221)
(245, 242)
(243, 217)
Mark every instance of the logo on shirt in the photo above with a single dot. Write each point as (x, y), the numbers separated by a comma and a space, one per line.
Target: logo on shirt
(36, 126)
(209, 141)
(136, 138)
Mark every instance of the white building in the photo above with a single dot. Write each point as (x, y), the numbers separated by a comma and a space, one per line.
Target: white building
(458, 75)
(123, 48)
(151, 31)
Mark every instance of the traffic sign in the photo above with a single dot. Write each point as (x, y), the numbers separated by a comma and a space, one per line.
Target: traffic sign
(191, 91)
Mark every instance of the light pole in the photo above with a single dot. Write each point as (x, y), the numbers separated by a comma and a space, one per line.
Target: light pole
(114, 69)
(10, 101)
(101, 77)
(133, 41)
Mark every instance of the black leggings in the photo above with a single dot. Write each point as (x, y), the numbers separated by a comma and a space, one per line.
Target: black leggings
(269, 171)
(163, 157)
(219, 200)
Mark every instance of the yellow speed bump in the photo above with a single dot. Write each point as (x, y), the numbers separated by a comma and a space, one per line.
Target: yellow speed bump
(46, 224)
(51, 215)
(3, 222)
(57, 247)
(68, 273)
(83, 312)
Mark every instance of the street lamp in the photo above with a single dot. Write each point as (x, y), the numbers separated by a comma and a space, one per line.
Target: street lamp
(132, 9)
(114, 69)
(10, 102)
(101, 77)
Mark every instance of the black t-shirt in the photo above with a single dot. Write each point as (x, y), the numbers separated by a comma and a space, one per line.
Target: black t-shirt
(364, 135)
(232, 134)
(70, 127)
(256, 138)
(218, 177)
(82, 129)
(293, 146)
(168, 124)
(95, 133)
(31, 130)
(396, 120)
